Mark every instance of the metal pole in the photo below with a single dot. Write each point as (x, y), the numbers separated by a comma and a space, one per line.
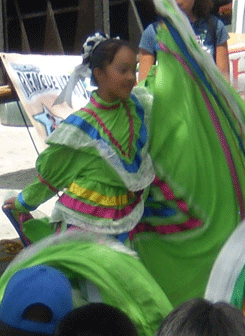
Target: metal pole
(106, 16)
(2, 37)
(137, 17)
(1, 27)
(98, 15)
(102, 16)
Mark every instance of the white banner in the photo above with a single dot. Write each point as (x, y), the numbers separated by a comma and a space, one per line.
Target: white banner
(38, 80)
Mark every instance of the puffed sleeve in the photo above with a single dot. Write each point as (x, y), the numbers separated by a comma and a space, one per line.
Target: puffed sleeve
(56, 166)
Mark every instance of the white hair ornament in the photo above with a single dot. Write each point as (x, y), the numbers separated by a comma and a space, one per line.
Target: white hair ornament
(82, 70)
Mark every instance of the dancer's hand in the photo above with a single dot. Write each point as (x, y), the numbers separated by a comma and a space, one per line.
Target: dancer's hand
(9, 203)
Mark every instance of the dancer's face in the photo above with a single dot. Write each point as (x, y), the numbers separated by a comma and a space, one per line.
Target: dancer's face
(186, 6)
(118, 78)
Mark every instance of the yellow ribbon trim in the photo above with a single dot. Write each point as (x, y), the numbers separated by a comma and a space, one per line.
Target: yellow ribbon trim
(95, 197)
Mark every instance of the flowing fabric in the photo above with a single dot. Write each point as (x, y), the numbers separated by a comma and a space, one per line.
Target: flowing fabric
(116, 272)
(99, 158)
(227, 279)
(197, 147)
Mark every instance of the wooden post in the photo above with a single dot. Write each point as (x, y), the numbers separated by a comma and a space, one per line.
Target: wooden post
(85, 23)
(137, 17)
(102, 16)
(52, 37)
(106, 16)
(25, 46)
(7, 94)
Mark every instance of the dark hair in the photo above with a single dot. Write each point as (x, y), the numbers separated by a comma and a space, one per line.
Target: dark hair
(96, 319)
(104, 54)
(35, 313)
(38, 312)
(202, 8)
(199, 317)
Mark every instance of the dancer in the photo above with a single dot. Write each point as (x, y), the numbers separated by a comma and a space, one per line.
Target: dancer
(98, 155)
(210, 33)
(197, 146)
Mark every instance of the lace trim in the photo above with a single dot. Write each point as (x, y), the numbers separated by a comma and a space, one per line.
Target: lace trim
(146, 100)
(106, 212)
(142, 173)
(71, 136)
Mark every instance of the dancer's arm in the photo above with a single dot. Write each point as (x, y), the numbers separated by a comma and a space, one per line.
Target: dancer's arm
(146, 60)
(222, 59)
(147, 50)
(56, 166)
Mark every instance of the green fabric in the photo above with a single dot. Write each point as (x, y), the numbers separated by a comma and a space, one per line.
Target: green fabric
(86, 168)
(189, 155)
(149, 81)
(237, 298)
(37, 229)
(60, 165)
(103, 172)
(112, 119)
(121, 278)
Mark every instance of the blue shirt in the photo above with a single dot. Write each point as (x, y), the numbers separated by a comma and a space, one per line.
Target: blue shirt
(202, 31)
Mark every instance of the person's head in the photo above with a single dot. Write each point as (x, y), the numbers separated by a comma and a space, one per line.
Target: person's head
(198, 8)
(199, 317)
(113, 65)
(96, 319)
(34, 301)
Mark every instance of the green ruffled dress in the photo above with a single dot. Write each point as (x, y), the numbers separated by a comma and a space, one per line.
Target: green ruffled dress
(98, 157)
(117, 275)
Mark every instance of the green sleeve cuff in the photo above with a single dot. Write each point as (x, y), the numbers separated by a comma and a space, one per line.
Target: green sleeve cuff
(20, 207)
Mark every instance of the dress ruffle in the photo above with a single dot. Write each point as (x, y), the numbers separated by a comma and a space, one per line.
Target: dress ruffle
(107, 220)
(76, 132)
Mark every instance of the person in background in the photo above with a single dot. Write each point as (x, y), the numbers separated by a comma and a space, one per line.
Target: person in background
(209, 30)
(34, 301)
(96, 319)
(223, 9)
(199, 317)
(100, 270)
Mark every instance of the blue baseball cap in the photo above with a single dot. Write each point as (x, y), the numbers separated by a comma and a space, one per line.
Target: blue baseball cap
(38, 286)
